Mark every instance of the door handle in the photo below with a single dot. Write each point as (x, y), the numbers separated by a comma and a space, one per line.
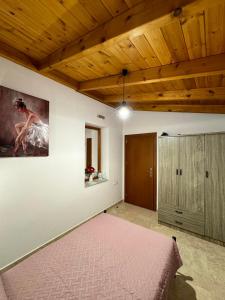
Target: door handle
(177, 172)
(206, 174)
(181, 172)
(179, 223)
(150, 172)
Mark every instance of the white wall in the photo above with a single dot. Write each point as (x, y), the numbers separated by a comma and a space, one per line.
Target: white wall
(42, 197)
(173, 123)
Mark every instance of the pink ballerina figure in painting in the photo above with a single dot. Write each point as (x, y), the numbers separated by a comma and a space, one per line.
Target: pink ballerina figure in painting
(33, 131)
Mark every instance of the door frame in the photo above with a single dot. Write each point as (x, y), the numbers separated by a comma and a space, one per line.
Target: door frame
(154, 134)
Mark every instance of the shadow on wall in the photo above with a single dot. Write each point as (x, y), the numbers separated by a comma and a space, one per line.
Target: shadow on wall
(180, 289)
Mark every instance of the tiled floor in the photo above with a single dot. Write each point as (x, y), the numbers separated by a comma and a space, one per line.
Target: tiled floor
(202, 275)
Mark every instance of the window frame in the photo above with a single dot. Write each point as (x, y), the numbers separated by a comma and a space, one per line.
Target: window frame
(99, 145)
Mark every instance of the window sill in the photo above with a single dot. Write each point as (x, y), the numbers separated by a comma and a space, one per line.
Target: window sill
(94, 182)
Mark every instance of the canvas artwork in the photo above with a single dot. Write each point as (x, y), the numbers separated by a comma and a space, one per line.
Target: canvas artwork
(24, 124)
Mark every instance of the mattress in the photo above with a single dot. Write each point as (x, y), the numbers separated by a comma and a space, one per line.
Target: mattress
(105, 258)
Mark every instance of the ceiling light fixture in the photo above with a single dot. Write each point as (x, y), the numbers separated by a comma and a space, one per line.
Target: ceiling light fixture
(124, 110)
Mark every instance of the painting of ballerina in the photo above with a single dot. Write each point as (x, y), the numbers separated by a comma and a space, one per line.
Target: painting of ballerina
(24, 124)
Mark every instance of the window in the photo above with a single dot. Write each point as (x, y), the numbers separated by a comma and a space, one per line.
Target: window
(93, 149)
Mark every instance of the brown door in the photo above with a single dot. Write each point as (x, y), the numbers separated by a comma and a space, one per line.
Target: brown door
(140, 170)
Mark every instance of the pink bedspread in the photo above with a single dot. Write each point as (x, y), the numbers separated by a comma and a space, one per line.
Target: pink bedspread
(105, 258)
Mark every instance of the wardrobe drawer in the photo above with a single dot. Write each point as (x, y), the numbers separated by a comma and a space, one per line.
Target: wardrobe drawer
(196, 218)
(182, 223)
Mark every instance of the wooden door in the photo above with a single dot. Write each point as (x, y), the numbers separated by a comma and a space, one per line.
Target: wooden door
(192, 172)
(215, 186)
(168, 163)
(140, 170)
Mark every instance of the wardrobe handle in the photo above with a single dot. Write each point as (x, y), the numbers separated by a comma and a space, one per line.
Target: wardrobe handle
(179, 212)
(180, 172)
(177, 172)
(177, 222)
(207, 174)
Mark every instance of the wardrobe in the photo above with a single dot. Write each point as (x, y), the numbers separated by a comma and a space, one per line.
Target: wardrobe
(191, 183)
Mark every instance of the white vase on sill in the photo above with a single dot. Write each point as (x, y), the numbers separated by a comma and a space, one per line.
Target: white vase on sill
(91, 178)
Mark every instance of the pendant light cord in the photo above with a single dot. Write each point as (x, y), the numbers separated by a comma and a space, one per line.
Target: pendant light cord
(124, 110)
(124, 73)
(123, 88)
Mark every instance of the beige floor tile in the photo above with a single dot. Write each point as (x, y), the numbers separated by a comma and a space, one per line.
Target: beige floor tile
(202, 276)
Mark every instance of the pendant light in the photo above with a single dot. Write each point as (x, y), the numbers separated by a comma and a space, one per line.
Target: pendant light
(124, 110)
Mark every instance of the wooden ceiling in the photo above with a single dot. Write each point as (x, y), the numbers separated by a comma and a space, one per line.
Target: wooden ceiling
(174, 50)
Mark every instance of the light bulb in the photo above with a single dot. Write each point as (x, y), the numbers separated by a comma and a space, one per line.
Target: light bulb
(124, 112)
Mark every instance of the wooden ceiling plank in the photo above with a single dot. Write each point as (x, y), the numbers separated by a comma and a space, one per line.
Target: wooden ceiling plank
(97, 10)
(204, 94)
(120, 54)
(62, 78)
(79, 12)
(212, 81)
(22, 16)
(189, 83)
(113, 59)
(159, 46)
(214, 109)
(171, 102)
(24, 60)
(16, 56)
(173, 85)
(43, 29)
(223, 81)
(95, 96)
(130, 23)
(212, 65)
(15, 24)
(108, 56)
(81, 67)
(136, 58)
(174, 38)
(201, 82)
(43, 21)
(102, 60)
(25, 40)
(117, 91)
(131, 3)
(86, 66)
(122, 57)
(90, 64)
(144, 48)
(215, 81)
(115, 7)
(144, 88)
(194, 34)
(70, 23)
(215, 29)
(73, 72)
(16, 40)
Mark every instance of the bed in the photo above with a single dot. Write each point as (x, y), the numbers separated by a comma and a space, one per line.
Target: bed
(105, 258)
